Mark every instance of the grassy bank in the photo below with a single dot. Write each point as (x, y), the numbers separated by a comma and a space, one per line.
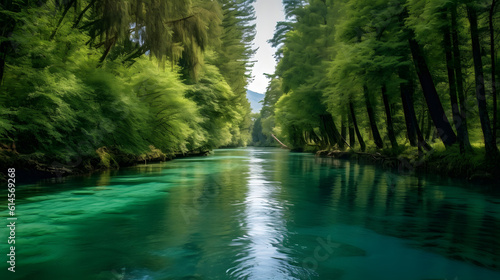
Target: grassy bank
(472, 166)
(33, 167)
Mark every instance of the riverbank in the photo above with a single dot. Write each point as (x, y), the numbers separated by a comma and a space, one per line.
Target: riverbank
(33, 167)
(449, 163)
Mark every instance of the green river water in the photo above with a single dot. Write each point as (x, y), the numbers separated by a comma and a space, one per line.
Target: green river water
(254, 213)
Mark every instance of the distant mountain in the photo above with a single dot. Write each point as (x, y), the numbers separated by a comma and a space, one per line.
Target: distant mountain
(255, 98)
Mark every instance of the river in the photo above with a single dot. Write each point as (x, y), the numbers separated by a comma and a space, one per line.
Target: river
(255, 213)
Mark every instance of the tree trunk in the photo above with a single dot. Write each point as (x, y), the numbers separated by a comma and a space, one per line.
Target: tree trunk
(390, 126)
(4, 49)
(7, 26)
(434, 105)
(457, 65)
(343, 133)
(82, 13)
(352, 137)
(330, 129)
(408, 108)
(296, 136)
(429, 127)
(489, 141)
(422, 144)
(355, 123)
(373, 123)
(109, 45)
(457, 117)
(493, 69)
(66, 9)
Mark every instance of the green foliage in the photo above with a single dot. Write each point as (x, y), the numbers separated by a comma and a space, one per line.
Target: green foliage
(264, 125)
(172, 119)
(214, 98)
(93, 79)
(336, 54)
(233, 59)
(5, 126)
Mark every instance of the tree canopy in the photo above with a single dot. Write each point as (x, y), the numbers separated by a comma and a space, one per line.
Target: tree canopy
(386, 74)
(80, 76)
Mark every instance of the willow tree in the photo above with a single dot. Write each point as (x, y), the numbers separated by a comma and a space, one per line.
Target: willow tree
(169, 30)
(71, 86)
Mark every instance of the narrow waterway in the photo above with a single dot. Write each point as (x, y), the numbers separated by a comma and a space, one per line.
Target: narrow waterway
(255, 213)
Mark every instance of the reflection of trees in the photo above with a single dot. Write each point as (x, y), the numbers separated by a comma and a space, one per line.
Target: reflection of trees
(453, 221)
(319, 193)
(448, 220)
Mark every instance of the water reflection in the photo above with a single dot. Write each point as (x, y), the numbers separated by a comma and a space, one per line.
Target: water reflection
(458, 222)
(257, 214)
(263, 220)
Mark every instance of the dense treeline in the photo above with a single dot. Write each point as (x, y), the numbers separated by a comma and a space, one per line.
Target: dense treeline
(385, 75)
(82, 77)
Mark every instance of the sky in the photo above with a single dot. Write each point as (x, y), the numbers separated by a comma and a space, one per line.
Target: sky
(268, 12)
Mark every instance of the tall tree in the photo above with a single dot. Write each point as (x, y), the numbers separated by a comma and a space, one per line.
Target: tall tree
(457, 65)
(371, 117)
(457, 116)
(356, 128)
(493, 66)
(489, 141)
(439, 118)
(235, 52)
(388, 114)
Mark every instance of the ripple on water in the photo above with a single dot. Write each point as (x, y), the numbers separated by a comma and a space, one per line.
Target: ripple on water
(271, 215)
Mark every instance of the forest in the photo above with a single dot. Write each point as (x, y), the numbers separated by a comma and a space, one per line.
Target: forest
(129, 148)
(94, 83)
(411, 78)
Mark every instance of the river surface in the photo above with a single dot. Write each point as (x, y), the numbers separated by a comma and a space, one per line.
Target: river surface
(254, 213)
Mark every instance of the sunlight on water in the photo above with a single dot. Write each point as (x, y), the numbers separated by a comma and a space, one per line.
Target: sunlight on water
(264, 223)
(256, 214)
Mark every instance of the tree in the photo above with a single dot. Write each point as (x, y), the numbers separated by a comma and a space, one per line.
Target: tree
(234, 57)
(493, 66)
(93, 77)
(490, 142)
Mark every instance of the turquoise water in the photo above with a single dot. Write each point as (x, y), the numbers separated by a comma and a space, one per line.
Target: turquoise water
(255, 213)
